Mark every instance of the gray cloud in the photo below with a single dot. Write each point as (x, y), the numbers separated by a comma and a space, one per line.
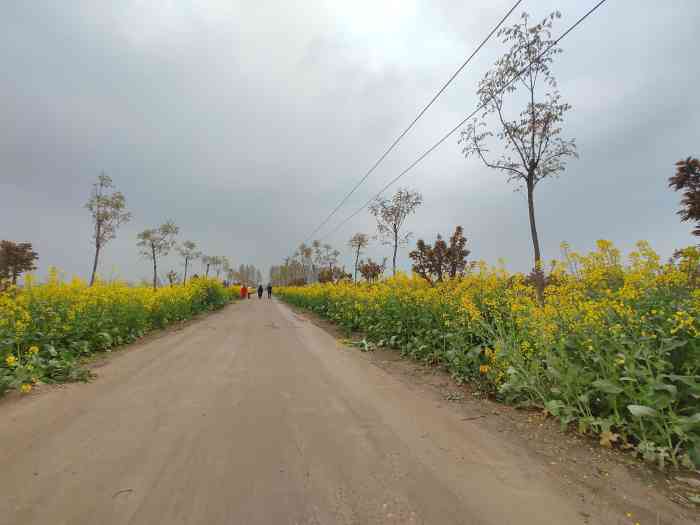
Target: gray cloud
(246, 123)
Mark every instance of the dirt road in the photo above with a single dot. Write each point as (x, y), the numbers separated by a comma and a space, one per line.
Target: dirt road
(253, 415)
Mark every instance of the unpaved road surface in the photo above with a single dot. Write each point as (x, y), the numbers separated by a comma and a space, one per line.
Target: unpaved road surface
(253, 415)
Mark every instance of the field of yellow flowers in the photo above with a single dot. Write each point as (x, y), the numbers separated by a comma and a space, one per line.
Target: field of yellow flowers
(45, 329)
(614, 352)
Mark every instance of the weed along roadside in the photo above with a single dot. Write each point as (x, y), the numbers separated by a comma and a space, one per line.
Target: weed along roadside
(47, 330)
(614, 352)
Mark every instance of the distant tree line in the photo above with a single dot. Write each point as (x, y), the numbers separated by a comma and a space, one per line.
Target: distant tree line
(532, 150)
(108, 212)
(319, 262)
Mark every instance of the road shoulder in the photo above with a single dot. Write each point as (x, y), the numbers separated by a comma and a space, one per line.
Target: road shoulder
(594, 475)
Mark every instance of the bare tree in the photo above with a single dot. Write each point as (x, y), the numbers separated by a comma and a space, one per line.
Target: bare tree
(157, 242)
(391, 215)
(358, 242)
(188, 251)
(533, 148)
(107, 208)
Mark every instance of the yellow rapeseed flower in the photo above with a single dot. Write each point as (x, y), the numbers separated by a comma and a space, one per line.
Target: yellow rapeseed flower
(26, 388)
(11, 360)
(33, 350)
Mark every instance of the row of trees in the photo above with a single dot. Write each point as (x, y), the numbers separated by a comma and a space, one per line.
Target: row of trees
(319, 262)
(309, 263)
(531, 149)
(159, 242)
(532, 146)
(107, 207)
(433, 262)
(442, 259)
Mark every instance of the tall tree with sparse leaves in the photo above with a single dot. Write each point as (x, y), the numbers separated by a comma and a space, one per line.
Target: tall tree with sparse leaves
(391, 214)
(687, 179)
(108, 210)
(156, 243)
(358, 242)
(533, 147)
(188, 251)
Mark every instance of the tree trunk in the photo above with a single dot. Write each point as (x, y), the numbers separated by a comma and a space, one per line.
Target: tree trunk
(94, 264)
(155, 269)
(98, 236)
(357, 260)
(396, 247)
(207, 274)
(184, 278)
(539, 275)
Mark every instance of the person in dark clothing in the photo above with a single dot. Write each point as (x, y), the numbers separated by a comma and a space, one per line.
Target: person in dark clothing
(260, 291)
(269, 290)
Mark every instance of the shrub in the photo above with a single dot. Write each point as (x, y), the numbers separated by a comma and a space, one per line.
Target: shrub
(46, 328)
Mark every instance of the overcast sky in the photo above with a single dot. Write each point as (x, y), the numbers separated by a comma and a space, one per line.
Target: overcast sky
(247, 122)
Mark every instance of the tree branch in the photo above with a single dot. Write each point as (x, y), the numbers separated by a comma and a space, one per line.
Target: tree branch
(505, 128)
(499, 165)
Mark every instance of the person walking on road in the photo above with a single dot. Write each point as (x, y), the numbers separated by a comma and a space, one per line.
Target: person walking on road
(260, 291)
(269, 290)
(244, 291)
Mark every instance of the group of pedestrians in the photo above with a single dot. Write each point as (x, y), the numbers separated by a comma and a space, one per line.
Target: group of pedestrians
(246, 292)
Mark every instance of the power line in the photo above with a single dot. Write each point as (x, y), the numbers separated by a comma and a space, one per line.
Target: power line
(461, 123)
(410, 126)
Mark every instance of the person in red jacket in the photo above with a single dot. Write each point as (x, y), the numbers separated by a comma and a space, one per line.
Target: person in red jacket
(244, 292)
